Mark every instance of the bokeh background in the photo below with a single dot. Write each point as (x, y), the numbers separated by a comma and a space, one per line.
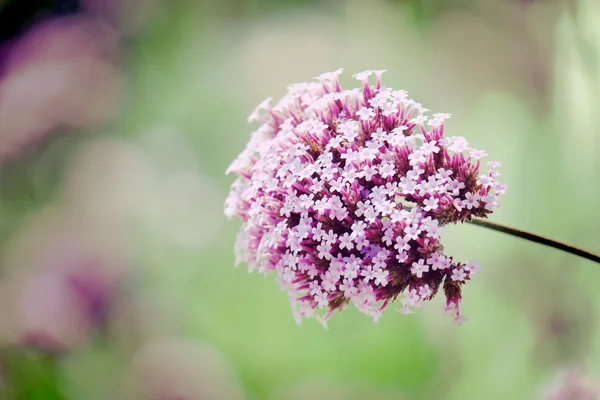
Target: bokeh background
(119, 118)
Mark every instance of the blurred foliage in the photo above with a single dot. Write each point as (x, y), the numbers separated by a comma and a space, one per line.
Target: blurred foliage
(30, 374)
(16, 15)
(425, 12)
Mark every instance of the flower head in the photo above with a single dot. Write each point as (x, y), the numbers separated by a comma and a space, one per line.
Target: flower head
(344, 194)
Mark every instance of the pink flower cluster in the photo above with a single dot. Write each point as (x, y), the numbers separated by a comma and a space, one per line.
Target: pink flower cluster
(344, 193)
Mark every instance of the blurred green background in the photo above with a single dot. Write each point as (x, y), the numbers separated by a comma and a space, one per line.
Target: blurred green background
(139, 194)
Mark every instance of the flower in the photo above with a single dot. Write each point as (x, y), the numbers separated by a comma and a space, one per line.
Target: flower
(572, 383)
(70, 286)
(344, 193)
(59, 75)
(179, 368)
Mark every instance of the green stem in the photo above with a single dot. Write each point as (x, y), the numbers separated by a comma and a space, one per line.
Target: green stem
(536, 238)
